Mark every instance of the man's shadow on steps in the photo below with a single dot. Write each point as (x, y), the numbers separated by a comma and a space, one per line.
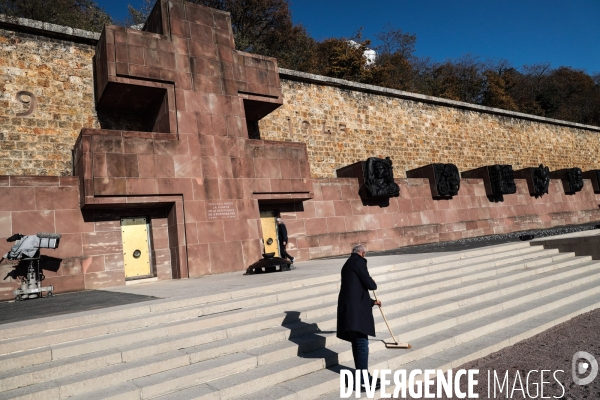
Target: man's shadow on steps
(311, 342)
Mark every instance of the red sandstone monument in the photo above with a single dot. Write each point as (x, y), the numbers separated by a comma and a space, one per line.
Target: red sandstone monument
(184, 190)
(198, 95)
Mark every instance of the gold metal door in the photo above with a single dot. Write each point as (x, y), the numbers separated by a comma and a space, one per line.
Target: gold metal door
(269, 228)
(136, 249)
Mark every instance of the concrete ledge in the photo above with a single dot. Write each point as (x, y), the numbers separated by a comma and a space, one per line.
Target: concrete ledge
(48, 30)
(141, 281)
(382, 91)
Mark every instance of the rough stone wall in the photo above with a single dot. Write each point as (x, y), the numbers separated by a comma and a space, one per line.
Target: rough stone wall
(343, 126)
(59, 74)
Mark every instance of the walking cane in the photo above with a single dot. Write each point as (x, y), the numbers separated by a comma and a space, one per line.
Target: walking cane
(394, 345)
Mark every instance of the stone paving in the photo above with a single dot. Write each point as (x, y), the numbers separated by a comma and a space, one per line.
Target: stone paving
(222, 283)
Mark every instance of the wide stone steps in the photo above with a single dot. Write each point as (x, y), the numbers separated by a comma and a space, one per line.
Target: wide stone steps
(398, 307)
(272, 351)
(411, 322)
(249, 341)
(426, 344)
(107, 336)
(149, 347)
(270, 337)
(120, 313)
(483, 345)
(288, 341)
(451, 357)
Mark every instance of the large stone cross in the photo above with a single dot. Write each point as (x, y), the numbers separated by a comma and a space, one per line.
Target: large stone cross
(179, 101)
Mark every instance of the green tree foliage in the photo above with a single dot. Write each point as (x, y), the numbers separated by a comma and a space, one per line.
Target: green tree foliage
(82, 14)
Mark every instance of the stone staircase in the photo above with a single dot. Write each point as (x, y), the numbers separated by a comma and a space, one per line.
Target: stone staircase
(278, 341)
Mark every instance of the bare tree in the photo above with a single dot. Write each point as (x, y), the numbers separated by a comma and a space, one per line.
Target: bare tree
(395, 41)
(137, 16)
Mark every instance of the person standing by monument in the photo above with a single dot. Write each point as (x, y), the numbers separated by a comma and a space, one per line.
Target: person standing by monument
(282, 235)
(354, 313)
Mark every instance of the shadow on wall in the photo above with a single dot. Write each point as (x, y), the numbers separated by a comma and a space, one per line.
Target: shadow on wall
(122, 121)
(47, 263)
(381, 203)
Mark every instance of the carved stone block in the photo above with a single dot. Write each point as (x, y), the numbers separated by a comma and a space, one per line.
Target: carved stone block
(538, 179)
(379, 178)
(594, 176)
(444, 179)
(375, 177)
(498, 179)
(572, 179)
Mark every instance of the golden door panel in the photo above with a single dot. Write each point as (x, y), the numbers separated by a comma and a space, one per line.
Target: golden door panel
(136, 250)
(269, 228)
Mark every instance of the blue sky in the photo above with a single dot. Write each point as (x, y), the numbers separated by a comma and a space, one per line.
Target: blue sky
(524, 32)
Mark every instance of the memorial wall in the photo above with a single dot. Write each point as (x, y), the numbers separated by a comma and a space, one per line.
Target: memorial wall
(171, 138)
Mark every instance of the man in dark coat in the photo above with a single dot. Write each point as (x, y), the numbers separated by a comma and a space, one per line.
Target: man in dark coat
(282, 235)
(354, 313)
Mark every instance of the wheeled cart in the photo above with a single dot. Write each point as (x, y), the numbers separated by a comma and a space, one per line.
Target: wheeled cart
(27, 248)
(31, 287)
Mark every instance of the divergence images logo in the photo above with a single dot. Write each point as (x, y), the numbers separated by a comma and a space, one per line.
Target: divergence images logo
(580, 367)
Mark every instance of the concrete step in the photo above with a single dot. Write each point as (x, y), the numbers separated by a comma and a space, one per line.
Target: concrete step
(137, 323)
(308, 386)
(508, 283)
(261, 378)
(178, 362)
(452, 357)
(199, 356)
(411, 323)
(463, 332)
(424, 346)
(163, 334)
(328, 323)
(442, 288)
(438, 272)
(21, 377)
(223, 345)
(450, 319)
(94, 317)
(162, 312)
(454, 321)
(484, 288)
(485, 260)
